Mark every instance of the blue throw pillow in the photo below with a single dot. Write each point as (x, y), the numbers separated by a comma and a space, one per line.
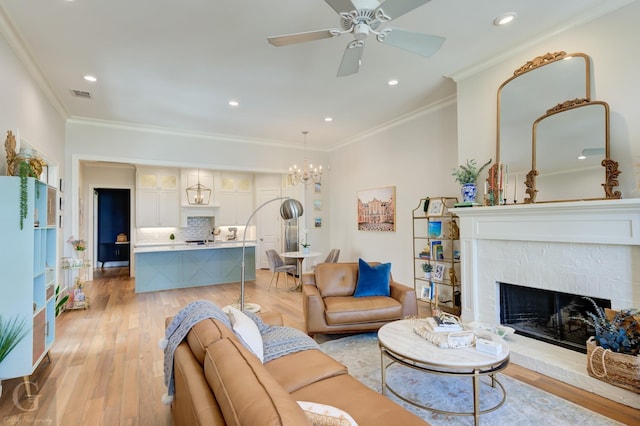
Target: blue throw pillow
(373, 280)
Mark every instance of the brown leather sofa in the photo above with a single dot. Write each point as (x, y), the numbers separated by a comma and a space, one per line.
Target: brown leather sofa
(220, 382)
(329, 306)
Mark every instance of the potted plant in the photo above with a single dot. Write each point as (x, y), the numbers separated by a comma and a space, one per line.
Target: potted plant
(613, 353)
(466, 175)
(304, 242)
(11, 333)
(427, 268)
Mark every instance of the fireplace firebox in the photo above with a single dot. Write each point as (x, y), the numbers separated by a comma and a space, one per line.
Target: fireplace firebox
(550, 316)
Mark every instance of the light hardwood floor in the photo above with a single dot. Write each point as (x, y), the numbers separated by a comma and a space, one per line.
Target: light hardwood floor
(106, 367)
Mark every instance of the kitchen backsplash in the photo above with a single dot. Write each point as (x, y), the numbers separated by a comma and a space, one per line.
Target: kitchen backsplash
(198, 228)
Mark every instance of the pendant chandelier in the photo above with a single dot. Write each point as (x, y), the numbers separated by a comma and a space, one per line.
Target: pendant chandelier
(308, 173)
(198, 194)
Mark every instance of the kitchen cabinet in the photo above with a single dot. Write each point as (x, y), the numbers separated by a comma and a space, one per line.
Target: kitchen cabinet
(236, 199)
(157, 198)
(113, 252)
(29, 269)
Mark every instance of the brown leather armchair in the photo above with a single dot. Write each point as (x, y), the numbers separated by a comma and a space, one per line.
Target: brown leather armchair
(329, 306)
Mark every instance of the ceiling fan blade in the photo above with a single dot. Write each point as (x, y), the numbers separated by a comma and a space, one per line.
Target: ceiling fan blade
(351, 59)
(284, 40)
(418, 43)
(395, 8)
(341, 6)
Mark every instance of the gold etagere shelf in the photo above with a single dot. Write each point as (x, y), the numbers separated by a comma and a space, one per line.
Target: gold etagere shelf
(436, 237)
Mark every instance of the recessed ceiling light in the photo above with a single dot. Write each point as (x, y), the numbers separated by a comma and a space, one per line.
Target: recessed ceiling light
(392, 82)
(234, 103)
(505, 18)
(581, 157)
(90, 78)
(328, 119)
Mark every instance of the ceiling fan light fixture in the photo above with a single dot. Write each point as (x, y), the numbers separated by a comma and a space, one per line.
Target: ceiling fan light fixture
(504, 19)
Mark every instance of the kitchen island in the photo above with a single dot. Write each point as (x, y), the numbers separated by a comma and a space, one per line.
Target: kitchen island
(180, 265)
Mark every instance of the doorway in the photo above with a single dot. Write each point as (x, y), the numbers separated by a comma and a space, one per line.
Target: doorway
(113, 226)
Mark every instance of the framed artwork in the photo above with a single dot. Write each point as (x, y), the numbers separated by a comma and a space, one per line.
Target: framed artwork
(377, 209)
(438, 271)
(425, 292)
(317, 205)
(317, 222)
(436, 207)
(317, 188)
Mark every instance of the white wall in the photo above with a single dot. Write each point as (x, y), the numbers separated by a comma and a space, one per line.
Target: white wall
(416, 156)
(611, 41)
(26, 109)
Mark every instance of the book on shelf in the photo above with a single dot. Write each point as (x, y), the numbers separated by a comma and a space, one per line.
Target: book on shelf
(434, 229)
(440, 325)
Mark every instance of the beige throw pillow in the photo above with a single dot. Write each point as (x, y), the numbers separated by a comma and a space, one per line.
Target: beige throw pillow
(326, 415)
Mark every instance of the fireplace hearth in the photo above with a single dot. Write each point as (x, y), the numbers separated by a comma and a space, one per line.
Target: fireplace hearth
(550, 316)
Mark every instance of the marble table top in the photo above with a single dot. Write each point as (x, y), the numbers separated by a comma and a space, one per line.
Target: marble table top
(399, 338)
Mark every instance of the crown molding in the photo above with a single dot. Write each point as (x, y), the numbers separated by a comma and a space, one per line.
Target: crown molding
(427, 109)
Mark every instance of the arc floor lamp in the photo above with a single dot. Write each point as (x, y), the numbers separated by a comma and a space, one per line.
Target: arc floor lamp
(289, 209)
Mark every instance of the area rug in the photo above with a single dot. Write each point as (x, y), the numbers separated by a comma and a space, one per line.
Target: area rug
(525, 405)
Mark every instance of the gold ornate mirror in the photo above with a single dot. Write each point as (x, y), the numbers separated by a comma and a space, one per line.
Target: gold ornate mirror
(570, 147)
(534, 87)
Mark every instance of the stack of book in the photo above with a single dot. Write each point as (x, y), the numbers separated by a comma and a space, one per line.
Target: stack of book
(443, 324)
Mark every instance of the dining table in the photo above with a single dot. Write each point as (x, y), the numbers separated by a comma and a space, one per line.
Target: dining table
(300, 256)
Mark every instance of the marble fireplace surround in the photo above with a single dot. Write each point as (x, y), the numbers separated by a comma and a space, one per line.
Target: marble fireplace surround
(586, 247)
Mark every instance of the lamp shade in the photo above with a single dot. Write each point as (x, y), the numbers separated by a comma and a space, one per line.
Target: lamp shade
(290, 209)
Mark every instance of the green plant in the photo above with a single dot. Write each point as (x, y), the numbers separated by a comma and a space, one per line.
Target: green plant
(427, 267)
(60, 301)
(11, 333)
(468, 173)
(619, 332)
(24, 171)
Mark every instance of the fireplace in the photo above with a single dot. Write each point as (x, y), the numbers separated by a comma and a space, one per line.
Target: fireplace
(589, 248)
(550, 316)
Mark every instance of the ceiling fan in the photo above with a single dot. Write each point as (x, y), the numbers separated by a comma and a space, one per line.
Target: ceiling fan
(363, 20)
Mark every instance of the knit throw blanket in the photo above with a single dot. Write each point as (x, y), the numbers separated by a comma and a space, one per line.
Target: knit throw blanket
(175, 333)
(277, 340)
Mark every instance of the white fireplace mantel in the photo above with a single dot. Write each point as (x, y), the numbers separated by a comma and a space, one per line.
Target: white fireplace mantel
(589, 248)
(596, 222)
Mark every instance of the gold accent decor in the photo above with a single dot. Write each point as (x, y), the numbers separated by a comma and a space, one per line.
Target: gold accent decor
(14, 159)
(611, 172)
(530, 184)
(567, 105)
(539, 61)
(10, 148)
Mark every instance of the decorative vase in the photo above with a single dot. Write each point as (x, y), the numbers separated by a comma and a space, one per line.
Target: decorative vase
(79, 254)
(305, 249)
(427, 275)
(469, 192)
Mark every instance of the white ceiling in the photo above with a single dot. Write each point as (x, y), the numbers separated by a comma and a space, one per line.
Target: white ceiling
(176, 64)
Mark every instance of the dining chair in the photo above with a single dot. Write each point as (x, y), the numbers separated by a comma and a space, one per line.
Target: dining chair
(277, 266)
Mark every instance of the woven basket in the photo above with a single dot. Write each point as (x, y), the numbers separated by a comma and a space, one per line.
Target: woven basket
(614, 368)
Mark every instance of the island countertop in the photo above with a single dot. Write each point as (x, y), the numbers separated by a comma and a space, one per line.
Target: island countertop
(154, 247)
(180, 265)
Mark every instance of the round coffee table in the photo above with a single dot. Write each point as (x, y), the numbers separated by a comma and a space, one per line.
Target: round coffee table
(401, 345)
